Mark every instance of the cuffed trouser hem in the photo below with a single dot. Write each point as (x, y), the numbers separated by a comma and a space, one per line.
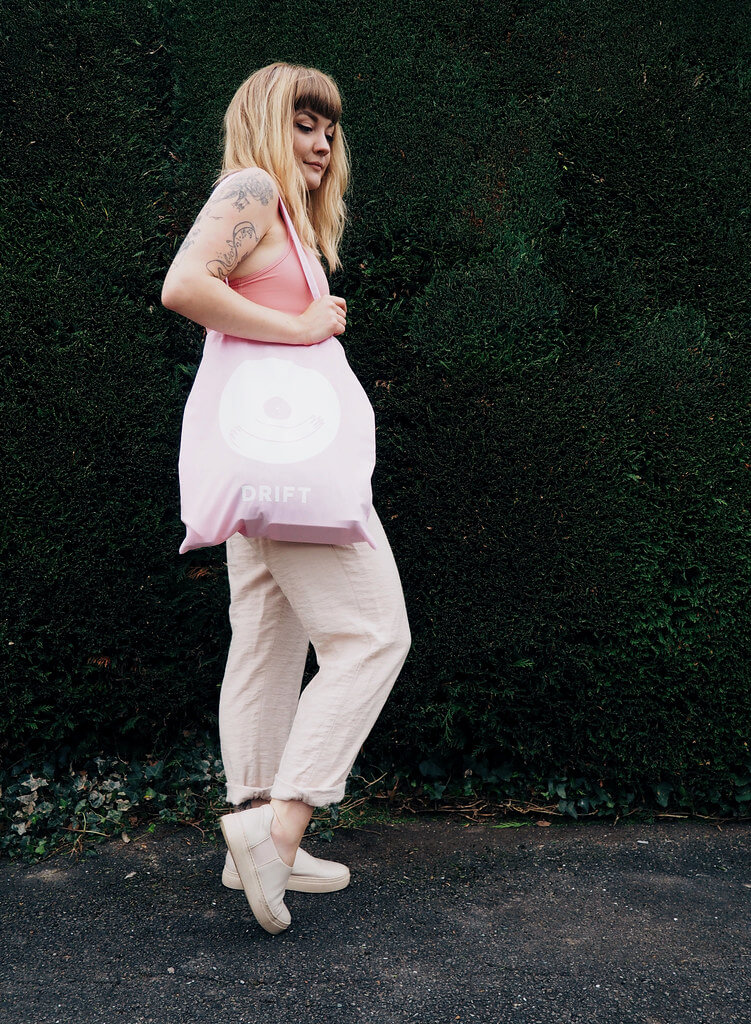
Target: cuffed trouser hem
(314, 797)
(239, 794)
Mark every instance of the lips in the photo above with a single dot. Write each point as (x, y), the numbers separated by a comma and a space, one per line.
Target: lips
(319, 166)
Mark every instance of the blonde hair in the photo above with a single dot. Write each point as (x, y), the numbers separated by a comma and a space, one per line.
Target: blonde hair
(258, 132)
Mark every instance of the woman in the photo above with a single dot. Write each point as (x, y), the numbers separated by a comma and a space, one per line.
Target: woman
(285, 753)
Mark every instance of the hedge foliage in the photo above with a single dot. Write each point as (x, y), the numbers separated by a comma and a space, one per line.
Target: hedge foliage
(546, 270)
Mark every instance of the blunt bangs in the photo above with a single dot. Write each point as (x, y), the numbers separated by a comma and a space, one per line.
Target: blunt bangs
(319, 94)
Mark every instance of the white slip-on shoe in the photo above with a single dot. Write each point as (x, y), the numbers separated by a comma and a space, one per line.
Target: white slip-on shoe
(309, 874)
(263, 873)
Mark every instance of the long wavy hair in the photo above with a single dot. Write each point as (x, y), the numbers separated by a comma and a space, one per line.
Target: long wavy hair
(258, 132)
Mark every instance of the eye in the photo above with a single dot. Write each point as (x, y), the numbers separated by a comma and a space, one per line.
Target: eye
(330, 139)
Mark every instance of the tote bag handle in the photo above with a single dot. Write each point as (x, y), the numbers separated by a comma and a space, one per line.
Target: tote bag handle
(315, 290)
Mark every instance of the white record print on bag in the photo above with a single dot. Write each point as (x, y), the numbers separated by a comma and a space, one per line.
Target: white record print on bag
(275, 411)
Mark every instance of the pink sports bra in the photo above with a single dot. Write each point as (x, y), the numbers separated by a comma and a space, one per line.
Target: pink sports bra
(282, 284)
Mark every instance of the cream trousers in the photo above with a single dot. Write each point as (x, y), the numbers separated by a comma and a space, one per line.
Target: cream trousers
(347, 601)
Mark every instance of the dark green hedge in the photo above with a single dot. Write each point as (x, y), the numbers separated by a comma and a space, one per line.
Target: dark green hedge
(546, 270)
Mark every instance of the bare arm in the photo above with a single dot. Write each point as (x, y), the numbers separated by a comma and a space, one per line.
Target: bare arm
(235, 217)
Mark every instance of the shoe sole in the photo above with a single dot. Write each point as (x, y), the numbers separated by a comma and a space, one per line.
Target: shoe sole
(297, 883)
(234, 837)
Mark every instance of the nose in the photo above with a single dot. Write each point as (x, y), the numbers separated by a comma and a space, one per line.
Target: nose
(322, 143)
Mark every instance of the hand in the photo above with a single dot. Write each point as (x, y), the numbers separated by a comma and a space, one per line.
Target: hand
(322, 318)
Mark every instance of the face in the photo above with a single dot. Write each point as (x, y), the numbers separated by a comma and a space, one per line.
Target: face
(313, 136)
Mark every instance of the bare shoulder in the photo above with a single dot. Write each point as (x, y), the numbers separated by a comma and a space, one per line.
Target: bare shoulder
(236, 216)
(251, 186)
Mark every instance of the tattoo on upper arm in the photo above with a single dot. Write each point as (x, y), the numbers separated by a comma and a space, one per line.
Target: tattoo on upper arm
(242, 188)
(228, 260)
(189, 240)
(245, 187)
(195, 231)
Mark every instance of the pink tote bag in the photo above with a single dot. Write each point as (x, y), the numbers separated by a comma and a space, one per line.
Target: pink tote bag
(277, 441)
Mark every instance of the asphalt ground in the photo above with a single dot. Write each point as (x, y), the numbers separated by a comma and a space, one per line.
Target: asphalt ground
(443, 921)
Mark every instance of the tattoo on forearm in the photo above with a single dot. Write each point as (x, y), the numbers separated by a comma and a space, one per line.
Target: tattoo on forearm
(227, 261)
